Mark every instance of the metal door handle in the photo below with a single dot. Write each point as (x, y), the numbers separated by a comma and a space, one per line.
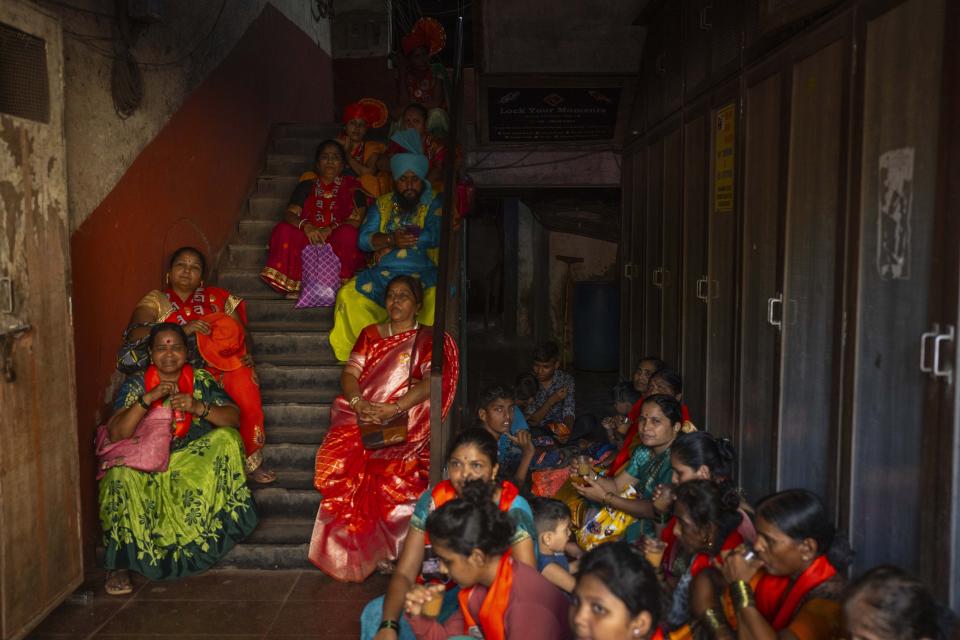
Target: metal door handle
(937, 342)
(923, 348)
(705, 24)
(702, 289)
(658, 277)
(770, 302)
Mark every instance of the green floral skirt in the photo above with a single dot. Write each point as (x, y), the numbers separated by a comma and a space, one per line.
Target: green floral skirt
(182, 521)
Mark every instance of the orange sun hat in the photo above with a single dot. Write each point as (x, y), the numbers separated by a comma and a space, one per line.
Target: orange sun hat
(371, 110)
(225, 344)
(427, 33)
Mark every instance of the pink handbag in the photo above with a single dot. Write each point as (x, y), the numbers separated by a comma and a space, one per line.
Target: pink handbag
(148, 449)
(320, 279)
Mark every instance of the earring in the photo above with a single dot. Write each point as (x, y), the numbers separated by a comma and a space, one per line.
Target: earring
(168, 279)
(201, 283)
(636, 633)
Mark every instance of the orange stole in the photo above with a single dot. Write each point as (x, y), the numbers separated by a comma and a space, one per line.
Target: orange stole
(151, 378)
(494, 608)
(444, 493)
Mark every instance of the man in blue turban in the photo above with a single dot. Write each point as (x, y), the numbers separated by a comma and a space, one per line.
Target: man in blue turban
(402, 230)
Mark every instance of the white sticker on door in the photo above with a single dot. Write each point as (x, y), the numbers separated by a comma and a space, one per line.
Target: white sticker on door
(895, 206)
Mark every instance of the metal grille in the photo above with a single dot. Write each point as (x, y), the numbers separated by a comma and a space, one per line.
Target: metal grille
(24, 88)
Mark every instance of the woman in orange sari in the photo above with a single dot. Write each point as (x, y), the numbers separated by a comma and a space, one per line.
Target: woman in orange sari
(369, 495)
(363, 154)
(791, 587)
(200, 310)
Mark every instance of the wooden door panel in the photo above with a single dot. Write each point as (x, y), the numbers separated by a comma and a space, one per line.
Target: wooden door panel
(638, 279)
(898, 161)
(722, 284)
(672, 239)
(812, 270)
(40, 554)
(756, 429)
(625, 254)
(653, 249)
(696, 45)
(693, 360)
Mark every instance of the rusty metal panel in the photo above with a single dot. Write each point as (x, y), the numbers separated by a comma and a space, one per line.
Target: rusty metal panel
(40, 548)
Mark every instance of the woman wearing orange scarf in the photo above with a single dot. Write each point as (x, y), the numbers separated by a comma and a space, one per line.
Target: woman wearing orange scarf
(792, 588)
(214, 321)
(500, 598)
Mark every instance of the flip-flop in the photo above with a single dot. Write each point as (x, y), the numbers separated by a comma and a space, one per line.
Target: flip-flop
(114, 586)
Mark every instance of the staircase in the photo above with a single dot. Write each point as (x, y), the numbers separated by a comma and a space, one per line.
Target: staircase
(299, 376)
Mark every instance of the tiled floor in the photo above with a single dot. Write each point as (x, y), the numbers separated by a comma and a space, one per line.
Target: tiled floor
(248, 605)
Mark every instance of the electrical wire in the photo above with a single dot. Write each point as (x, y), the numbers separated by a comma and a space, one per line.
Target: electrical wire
(517, 165)
(67, 5)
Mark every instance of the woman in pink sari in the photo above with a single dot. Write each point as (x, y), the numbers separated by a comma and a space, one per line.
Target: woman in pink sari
(369, 495)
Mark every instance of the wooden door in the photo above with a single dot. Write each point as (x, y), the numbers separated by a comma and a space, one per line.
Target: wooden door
(810, 313)
(672, 221)
(40, 548)
(653, 249)
(763, 145)
(625, 255)
(696, 45)
(722, 258)
(896, 289)
(693, 353)
(637, 280)
(945, 576)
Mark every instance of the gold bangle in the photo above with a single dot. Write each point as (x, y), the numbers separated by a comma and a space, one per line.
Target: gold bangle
(713, 620)
(742, 595)
(606, 498)
(354, 401)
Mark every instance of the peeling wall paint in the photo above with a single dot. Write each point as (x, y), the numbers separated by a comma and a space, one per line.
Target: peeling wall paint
(101, 145)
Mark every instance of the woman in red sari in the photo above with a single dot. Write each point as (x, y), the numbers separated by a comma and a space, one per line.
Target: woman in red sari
(792, 586)
(196, 307)
(369, 495)
(326, 209)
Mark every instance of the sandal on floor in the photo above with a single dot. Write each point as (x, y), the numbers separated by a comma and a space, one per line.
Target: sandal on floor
(118, 583)
(262, 476)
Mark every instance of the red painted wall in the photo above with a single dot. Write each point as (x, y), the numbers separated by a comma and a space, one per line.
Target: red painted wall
(186, 187)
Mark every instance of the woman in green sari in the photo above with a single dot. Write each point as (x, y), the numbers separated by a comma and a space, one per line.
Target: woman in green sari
(626, 499)
(174, 523)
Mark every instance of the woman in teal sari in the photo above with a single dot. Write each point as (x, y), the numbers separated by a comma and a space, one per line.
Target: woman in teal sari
(175, 523)
(626, 499)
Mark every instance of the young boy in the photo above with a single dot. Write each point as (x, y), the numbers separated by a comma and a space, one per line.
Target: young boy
(552, 520)
(625, 396)
(515, 448)
(553, 407)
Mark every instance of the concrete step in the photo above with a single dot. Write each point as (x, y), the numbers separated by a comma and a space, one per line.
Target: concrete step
(294, 418)
(267, 556)
(299, 396)
(286, 326)
(276, 186)
(288, 164)
(279, 530)
(290, 457)
(297, 146)
(319, 131)
(255, 231)
(286, 502)
(245, 256)
(285, 433)
(266, 207)
(282, 310)
(306, 346)
(291, 479)
(298, 377)
(242, 280)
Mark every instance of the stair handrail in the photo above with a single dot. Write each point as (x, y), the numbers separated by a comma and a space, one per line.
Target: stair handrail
(448, 265)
